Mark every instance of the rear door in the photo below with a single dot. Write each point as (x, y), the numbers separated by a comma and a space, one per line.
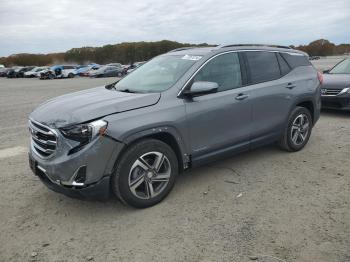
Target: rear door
(270, 93)
(220, 121)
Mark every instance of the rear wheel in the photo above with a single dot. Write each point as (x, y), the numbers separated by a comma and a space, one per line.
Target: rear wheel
(70, 75)
(298, 131)
(145, 174)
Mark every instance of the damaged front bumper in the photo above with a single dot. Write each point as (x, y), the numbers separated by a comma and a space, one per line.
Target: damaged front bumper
(84, 174)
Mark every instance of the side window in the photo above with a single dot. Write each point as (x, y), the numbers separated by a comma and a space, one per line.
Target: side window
(285, 68)
(263, 66)
(224, 70)
(295, 59)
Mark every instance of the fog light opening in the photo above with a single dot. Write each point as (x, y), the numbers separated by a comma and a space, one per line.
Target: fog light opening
(80, 177)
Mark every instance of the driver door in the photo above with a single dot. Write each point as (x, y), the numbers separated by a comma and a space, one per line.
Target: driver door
(219, 122)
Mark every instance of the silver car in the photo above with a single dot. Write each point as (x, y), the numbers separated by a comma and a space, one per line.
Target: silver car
(179, 110)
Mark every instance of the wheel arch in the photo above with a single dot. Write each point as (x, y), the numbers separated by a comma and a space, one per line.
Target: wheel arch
(308, 104)
(166, 134)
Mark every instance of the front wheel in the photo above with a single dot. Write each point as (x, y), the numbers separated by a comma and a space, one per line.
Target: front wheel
(145, 174)
(298, 130)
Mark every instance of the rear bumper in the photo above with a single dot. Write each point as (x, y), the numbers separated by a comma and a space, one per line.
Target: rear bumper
(341, 102)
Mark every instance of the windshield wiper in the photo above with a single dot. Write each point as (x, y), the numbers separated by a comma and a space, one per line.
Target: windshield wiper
(126, 90)
(111, 86)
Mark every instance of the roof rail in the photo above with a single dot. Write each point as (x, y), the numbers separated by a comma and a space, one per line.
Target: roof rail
(182, 48)
(276, 46)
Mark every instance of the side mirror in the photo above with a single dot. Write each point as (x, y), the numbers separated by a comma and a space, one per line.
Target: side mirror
(326, 71)
(202, 88)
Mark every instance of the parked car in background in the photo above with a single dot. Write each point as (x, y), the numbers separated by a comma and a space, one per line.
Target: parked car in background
(3, 71)
(107, 71)
(83, 71)
(181, 109)
(35, 72)
(314, 58)
(20, 73)
(335, 90)
(134, 66)
(115, 64)
(67, 71)
(58, 71)
(89, 72)
(125, 69)
(2, 66)
(12, 73)
(51, 73)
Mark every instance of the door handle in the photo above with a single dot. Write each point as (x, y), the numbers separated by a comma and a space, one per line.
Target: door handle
(241, 96)
(290, 86)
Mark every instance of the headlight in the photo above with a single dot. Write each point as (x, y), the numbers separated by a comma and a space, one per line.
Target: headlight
(84, 133)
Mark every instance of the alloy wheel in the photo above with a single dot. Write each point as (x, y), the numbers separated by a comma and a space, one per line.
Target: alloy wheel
(149, 175)
(300, 129)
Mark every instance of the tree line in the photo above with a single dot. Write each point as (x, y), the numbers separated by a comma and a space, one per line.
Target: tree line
(323, 47)
(130, 52)
(124, 53)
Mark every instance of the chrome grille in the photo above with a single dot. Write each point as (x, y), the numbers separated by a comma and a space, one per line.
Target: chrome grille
(330, 92)
(44, 139)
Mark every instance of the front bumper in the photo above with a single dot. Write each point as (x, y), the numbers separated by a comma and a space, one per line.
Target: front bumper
(97, 191)
(96, 160)
(339, 102)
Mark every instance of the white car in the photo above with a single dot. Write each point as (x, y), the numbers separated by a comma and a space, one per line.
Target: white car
(67, 71)
(35, 72)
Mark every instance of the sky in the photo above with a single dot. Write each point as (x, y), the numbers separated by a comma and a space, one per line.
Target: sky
(43, 26)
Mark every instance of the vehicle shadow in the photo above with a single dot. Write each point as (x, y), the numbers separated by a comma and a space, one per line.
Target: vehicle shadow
(227, 170)
(335, 113)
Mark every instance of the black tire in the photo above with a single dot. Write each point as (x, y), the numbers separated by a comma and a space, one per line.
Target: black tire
(123, 173)
(70, 75)
(287, 142)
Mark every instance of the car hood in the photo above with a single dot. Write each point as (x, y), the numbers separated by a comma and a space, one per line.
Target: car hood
(336, 81)
(89, 104)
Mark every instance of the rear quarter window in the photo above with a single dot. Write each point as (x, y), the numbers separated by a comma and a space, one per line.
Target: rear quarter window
(295, 60)
(263, 66)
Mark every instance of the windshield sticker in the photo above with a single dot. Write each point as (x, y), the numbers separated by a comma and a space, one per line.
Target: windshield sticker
(191, 57)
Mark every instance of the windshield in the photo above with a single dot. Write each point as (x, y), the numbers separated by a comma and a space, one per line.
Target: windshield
(342, 68)
(157, 75)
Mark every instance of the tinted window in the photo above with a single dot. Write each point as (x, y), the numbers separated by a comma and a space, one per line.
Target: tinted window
(224, 70)
(263, 66)
(296, 59)
(285, 69)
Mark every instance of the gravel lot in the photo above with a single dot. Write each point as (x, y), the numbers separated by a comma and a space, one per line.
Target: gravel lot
(265, 205)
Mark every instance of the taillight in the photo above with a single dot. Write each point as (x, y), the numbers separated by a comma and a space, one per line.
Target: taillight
(320, 77)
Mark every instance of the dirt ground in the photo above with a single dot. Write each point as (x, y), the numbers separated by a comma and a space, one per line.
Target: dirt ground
(266, 205)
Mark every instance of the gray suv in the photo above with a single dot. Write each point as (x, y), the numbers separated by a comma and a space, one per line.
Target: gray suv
(179, 110)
